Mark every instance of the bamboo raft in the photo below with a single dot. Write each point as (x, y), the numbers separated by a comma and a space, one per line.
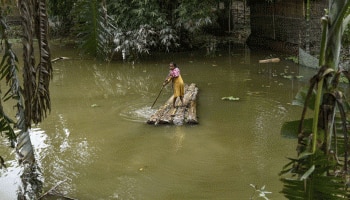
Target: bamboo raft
(181, 114)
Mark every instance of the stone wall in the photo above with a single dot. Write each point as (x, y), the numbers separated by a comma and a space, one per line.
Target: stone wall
(285, 21)
(240, 13)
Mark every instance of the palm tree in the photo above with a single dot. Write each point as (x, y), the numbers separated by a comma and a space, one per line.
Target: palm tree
(33, 97)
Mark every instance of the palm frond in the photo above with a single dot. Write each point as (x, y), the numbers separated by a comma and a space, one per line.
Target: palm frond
(8, 70)
(29, 71)
(33, 100)
(6, 126)
(41, 102)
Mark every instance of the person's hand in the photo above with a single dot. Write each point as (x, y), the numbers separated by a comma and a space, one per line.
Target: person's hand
(166, 81)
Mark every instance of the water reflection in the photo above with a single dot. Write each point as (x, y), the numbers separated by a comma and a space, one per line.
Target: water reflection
(63, 154)
(10, 177)
(179, 137)
(59, 154)
(10, 180)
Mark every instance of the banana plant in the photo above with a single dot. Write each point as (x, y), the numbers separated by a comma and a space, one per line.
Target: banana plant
(321, 169)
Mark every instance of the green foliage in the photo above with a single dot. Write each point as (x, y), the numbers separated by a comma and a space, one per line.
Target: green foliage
(32, 101)
(294, 59)
(168, 38)
(300, 98)
(137, 27)
(321, 169)
(136, 41)
(346, 33)
(346, 37)
(8, 71)
(92, 28)
(290, 129)
(191, 18)
(61, 15)
(141, 26)
(131, 14)
(316, 168)
(132, 27)
(146, 37)
(41, 103)
(309, 178)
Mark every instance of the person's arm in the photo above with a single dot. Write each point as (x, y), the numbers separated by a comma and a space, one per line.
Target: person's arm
(167, 80)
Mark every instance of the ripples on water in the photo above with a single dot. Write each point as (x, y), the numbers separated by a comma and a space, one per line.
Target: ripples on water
(137, 112)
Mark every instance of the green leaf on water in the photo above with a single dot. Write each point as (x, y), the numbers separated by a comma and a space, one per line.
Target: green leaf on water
(230, 98)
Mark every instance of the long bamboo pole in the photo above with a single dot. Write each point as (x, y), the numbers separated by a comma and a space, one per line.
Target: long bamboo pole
(157, 96)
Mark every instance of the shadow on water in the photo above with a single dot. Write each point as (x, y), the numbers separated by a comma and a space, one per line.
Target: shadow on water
(96, 139)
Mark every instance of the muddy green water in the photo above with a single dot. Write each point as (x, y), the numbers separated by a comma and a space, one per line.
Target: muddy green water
(97, 141)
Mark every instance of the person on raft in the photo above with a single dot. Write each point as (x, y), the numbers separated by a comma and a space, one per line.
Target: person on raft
(178, 84)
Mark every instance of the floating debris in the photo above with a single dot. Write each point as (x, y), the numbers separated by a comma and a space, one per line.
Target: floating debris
(230, 98)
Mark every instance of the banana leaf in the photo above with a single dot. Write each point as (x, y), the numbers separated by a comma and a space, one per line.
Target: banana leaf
(301, 96)
(290, 129)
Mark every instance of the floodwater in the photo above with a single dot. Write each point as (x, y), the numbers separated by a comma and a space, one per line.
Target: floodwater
(97, 142)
